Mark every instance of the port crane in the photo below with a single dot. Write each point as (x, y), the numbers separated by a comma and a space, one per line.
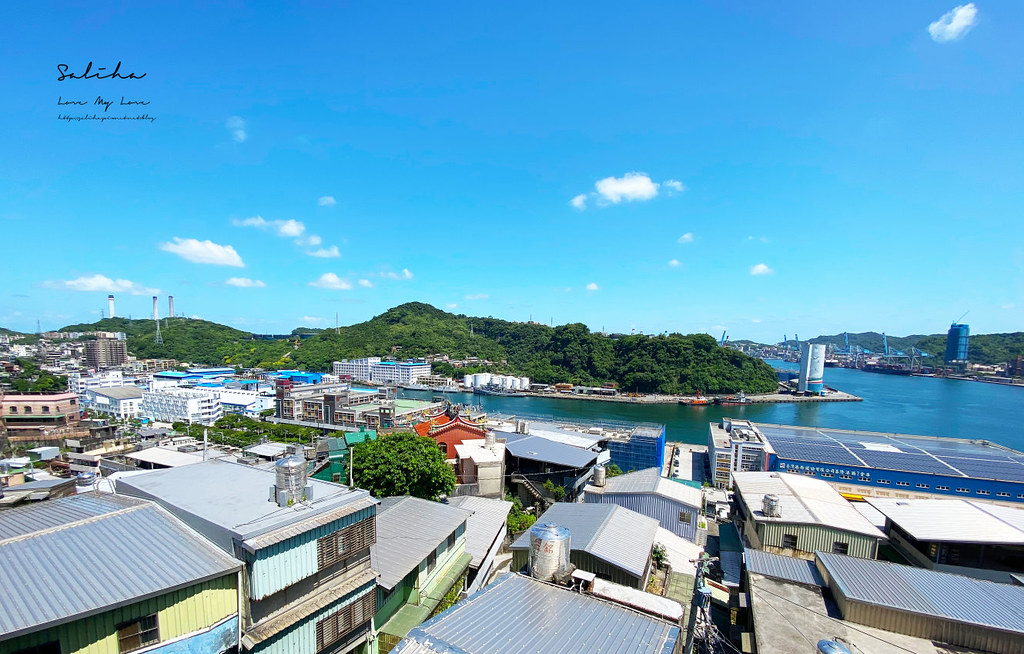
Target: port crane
(724, 339)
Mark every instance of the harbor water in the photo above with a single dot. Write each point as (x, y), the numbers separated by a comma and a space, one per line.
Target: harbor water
(892, 404)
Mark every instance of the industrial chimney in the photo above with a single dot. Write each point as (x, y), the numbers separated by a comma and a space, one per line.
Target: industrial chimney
(110, 306)
(170, 306)
(156, 314)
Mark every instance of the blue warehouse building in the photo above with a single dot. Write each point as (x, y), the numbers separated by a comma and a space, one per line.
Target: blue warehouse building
(897, 465)
(643, 448)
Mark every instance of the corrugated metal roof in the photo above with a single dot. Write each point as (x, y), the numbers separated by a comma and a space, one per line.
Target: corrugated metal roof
(609, 532)
(788, 568)
(954, 520)
(269, 450)
(926, 592)
(650, 480)
(119, 392)
(134, 548)
(537, 448)
(409, 529)
(519, 614)
(802, 500)
(488, 519)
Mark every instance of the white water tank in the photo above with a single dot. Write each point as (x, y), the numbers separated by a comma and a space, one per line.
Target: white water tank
(467, 380)
(770, 506)
(600, 475)
(524, 383)
(549, 551)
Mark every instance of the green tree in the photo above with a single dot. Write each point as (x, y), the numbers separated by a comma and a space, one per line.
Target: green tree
(612, 470)
(402, 464)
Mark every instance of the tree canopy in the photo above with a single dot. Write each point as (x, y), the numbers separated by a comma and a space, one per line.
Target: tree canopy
(402, 464)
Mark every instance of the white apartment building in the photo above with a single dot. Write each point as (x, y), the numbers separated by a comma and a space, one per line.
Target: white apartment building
(246, 401)
(372, 369)
(187, 405)
(122, 402)
(735, 446)
(79, 383)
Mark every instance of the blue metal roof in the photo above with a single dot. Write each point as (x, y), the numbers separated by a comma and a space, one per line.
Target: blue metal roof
(536, 448)
(800, 571)
(926, 592)
(520, 614)
(134, 548)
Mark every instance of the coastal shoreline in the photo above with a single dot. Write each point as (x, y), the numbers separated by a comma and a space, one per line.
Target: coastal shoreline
(767, 398)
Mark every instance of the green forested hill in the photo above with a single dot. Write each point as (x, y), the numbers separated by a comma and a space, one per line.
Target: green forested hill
(190, 340)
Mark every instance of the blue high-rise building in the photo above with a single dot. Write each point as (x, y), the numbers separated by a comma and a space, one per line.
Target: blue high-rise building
(956, 343)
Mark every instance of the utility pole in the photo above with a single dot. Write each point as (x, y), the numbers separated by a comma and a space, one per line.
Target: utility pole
(699, 600)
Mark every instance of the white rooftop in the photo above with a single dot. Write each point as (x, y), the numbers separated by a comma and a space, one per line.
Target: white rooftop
(171, 457)
(475, 449)
(802, 500)
(954, 520)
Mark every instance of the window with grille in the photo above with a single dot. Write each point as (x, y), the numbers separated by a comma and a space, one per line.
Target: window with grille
(789, 541)
(346, 542)
(451, 540)
(351, 616)
(136, 635)
(840, 548)
(685, 517)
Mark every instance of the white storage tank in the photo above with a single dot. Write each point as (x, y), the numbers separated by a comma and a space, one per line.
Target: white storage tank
(549, 551)
(467, 380)
(600, 475)
(812, 368)
(524, 383)
(291, 475)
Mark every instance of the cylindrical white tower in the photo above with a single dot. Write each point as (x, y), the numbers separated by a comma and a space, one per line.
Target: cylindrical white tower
(812, 368)
(156, 314)
(170, 306)
(110, 306)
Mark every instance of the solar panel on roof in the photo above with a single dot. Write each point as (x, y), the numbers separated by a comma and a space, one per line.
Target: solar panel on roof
(989, 469)
(905, 462)
(816, 453)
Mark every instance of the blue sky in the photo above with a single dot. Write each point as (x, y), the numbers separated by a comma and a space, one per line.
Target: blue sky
(766, 168)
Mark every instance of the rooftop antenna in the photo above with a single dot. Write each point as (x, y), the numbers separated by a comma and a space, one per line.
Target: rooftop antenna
(39, 327)
(962, 316)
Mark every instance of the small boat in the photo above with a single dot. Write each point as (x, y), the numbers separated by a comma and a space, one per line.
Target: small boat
(737, 400)
(416, 387)
(447, 389)
(700, 400)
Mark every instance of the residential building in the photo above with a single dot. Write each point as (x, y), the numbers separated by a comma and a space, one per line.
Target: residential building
(32, 491)
(797, 516)
(675, 505)
(486, 529)
(641, 448)
(957, 343)
(612, 542)
(372, 369)
(79, 383)
(342, 408)
(520, 614)
(181, 404)
(480, 467)
(93, 440)
(244, 401)
(735, 446)
(421, 556)
(105, 353)
(308, 582)
(166, 589)
(121, 402)
(977, 539)
(34, 417)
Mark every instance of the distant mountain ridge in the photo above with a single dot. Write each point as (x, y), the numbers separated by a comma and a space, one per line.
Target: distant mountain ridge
(987, 349)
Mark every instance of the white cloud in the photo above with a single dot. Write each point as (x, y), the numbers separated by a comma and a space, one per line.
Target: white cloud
(1006, 305)
(286, 228)
(198, 251)
(366, 283)
(568, 289)
(593, 287)
(236, 126)
(325, 253)
(674, 185)
(954, 24)
(312, 319)
(451, 305)
(760, 269)
(674, 263)
(245, 282)
(102, 284)
(332, 281)
(478, 296)
(686, 238)
(579, 202)
(326, 201)
(405, 274)
(629, 187)
(755, 320)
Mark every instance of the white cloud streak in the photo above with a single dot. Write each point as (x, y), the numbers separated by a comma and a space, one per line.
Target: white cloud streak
(101, 284)
(245, 282)
(332, 282)
(579, 202)
(325, 253)
(593, 287)
(236, 126)
(285, 228)
(954, 24)
(366, 283)
(674, 185)
(686, 238)
(326, 201)
(634, 186)
(405, 274)
(674, 263)
(761, 269)
(451, 305)
(198, 251)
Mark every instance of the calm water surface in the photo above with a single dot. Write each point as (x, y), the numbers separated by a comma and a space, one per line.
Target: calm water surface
(905, 405)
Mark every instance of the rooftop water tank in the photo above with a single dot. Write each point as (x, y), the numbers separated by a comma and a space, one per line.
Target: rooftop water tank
(770, 506)
(549, 551)
(291, 475)
(600, 475)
